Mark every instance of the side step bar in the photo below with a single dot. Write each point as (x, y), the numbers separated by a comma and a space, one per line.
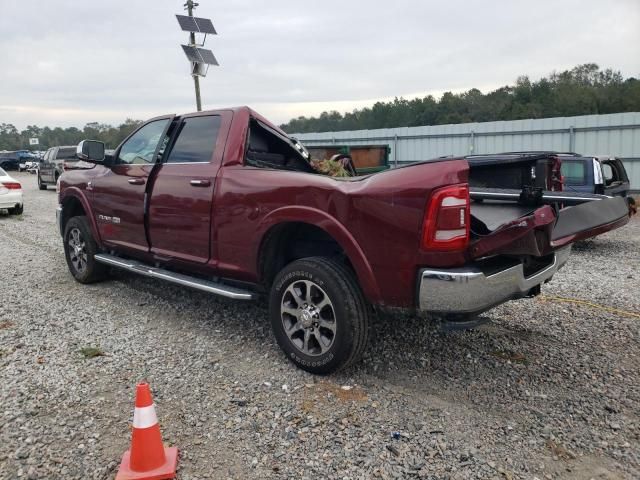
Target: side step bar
(177, 278)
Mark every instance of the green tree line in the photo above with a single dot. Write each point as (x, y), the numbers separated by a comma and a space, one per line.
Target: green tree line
(13, 139)
(583, 90)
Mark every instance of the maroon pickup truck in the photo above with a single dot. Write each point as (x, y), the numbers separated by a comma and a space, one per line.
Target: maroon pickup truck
(225, 202)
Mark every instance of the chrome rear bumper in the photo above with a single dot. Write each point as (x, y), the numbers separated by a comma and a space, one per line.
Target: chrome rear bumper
(469, 290)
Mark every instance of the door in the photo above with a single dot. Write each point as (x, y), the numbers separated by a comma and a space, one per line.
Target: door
(615, 177)
(180, 205)
(118, 193)
(46, 167)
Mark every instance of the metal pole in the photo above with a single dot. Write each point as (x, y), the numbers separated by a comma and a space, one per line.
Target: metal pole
(395, 151)
(192, 42)
(572, 139)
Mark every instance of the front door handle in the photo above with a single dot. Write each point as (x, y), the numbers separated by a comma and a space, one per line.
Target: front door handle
(200, 183)
(136, 181)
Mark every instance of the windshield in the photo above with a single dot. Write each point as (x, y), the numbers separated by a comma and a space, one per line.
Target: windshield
(3, 173)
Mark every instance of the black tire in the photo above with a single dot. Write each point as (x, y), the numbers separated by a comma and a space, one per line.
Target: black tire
(81, 263)
(41, 186)
(16, 210)
(347, 313)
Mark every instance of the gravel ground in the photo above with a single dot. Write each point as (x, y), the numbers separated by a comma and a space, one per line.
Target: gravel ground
(548, 389)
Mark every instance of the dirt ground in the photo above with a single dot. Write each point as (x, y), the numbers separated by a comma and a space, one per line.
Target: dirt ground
(550, 388)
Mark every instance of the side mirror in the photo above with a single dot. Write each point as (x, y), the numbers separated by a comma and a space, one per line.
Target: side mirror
(90, 151)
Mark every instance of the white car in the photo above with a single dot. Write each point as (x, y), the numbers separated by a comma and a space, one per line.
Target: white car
(29, 166)
(10, 194)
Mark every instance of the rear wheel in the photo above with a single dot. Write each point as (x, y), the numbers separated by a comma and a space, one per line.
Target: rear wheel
(17, 210)
(41, 186)
(319, 315)
(79, 250)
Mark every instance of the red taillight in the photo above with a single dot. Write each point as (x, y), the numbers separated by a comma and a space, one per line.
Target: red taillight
(446, 220)
(12, 185)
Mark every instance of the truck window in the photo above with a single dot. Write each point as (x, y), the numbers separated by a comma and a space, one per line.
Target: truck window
(196, 140)
(573, 172)
(66, 154)
(608, 173)
(268, 149)
(140, 147)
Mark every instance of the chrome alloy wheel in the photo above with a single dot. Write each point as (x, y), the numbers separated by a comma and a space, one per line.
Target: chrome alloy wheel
(77, 250)
(308, 317)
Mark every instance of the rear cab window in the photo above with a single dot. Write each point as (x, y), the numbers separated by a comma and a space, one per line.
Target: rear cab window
(574, 172)
(68, 154)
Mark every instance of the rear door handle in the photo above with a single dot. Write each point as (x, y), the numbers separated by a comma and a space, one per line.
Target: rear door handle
(200, 183)
(136, 181)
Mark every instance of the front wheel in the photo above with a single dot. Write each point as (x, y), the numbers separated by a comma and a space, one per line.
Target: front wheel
(41, 186)
(79, 250)
(319, 315)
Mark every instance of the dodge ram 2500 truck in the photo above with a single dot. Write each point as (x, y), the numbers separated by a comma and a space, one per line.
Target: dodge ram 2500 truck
(225, 202)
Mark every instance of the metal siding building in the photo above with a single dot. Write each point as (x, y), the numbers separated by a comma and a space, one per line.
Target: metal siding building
(615, 134)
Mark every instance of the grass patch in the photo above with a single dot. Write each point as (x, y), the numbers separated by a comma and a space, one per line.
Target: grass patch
(91, 352)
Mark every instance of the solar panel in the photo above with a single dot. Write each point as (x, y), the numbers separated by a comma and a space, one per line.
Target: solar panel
(188, 24)
(205, 25)
(191, 53)
(196, 24)
(207, 56)
(200, 55)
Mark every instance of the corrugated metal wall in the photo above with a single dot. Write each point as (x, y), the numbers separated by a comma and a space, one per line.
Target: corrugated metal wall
(614, 134)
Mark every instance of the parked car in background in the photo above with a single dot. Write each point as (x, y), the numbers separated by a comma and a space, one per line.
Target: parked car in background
(602, 175)
(54, 163)
(29, 165)
(10, 194)
(605, 175)
(12, 160)
(33, 166)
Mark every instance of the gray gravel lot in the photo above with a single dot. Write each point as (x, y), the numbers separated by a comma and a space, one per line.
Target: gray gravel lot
(548, 389)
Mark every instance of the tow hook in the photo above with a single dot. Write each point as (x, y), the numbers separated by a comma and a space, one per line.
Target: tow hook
(534, 292)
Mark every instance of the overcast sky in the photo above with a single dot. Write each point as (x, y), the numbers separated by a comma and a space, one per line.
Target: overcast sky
(68, 62)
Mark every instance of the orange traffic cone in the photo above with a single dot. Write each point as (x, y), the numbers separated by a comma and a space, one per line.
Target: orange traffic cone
(147, 459)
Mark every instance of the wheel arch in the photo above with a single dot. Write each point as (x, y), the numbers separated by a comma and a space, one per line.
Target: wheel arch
(74, 203)
(286, 226)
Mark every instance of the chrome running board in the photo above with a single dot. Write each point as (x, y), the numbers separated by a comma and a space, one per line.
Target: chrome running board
(177, 278)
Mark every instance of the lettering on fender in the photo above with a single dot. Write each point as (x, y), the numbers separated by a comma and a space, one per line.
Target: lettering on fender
(108, 219)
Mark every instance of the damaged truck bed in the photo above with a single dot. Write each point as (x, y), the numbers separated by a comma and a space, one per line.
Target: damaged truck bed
(519, 206)
(521, 227)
